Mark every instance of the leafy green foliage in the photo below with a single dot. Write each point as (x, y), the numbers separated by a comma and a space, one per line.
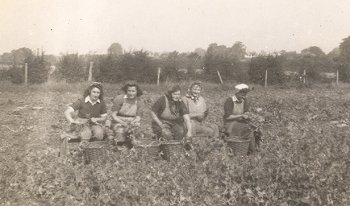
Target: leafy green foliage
(303, 159)
(71, 68)
(260, 64)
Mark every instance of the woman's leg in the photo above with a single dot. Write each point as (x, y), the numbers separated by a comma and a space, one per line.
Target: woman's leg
(201, 129)
(85, 133)
(97, 132)
(178, 131)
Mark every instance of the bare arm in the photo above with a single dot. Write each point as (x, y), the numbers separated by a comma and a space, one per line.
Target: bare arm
(188, 125)
(156, 119)
(68, 115)
(99, 119)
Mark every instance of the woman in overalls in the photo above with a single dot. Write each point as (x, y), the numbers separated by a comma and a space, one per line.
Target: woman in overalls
(92, 113)
(198, 111)
(236, 113)
(127, 111)
(169, 114)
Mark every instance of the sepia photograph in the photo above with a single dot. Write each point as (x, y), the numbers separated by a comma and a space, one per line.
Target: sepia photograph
(174, 103)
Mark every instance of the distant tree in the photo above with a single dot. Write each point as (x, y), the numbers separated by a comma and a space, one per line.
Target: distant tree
(345, 49)
(200, 52)
(222, 59)
(115, 49)
(313, 51)
(38, 69)
(260, 64)
(238, 50)
(19, 55)
(71, 68)
(334, 54)
(138, 66)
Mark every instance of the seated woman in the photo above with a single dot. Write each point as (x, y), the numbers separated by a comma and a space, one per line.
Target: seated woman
(127, 111)
(236, 112)
(169, 114)
(198, 111)
(92, 112)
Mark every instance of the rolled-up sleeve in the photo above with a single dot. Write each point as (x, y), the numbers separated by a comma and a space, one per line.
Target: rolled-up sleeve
(158, 106)
(117, 103)
(76, 105)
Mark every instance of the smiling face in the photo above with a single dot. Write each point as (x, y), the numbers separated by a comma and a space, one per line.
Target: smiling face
(131, 92)
(196, 90)
(95, 94)
(176, 95)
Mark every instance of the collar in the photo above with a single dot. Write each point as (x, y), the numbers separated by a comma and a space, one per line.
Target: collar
(88, 99)
(234, 99)
(190, 96)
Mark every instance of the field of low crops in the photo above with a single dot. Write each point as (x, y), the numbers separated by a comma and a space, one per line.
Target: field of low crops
(304, 158)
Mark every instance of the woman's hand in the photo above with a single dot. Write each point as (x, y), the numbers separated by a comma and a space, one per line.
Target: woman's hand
(188, 134)
(94, 120)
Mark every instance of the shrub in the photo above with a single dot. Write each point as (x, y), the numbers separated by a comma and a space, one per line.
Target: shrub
(71, 68)
(260, 64)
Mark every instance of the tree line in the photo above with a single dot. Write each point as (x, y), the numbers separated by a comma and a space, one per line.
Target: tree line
(233, 63)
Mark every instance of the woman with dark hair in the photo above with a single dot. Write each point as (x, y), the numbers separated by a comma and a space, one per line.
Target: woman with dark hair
(127, 110)
(92, 112)
(169, 114)
(198, 111)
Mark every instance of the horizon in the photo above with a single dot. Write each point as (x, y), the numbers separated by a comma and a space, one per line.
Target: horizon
(160, 26)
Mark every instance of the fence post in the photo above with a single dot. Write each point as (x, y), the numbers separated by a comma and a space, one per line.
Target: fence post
(219, 76)
(158, 76)
(304, 77)
(90, 71)
(25, 73)
(337, 77)
(265, 78)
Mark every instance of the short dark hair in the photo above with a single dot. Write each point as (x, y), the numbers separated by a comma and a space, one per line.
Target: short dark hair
(139, 92)
(97, 85)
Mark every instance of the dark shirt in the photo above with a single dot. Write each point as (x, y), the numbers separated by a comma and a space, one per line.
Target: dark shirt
(87, 110)
(159, 106)
(228, 107)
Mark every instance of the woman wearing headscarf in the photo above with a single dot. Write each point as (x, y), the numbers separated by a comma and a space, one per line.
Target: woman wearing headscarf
(169, 114)
(236, 112)
(127, 111)
(198, 111)
(92, 113)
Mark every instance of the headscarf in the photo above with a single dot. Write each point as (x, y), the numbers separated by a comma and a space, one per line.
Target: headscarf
(189, 92)
(242, 88)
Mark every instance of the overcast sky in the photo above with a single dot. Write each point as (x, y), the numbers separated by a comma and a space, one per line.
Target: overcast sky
(65, 26)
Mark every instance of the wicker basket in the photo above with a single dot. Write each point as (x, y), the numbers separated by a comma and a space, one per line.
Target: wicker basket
(95, 152)
(171, 149)
(239, 146)
(147, 147)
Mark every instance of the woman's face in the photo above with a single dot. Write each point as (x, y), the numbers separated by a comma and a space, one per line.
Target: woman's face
(196, 90)
(95, 94)
(176, 95)
(131, 92)
(241, 96)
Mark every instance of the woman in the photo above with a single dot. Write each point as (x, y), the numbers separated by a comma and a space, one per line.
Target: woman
(198, 111)
(236, 112)
(127, 111)
(169, 114)
(92, 112)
